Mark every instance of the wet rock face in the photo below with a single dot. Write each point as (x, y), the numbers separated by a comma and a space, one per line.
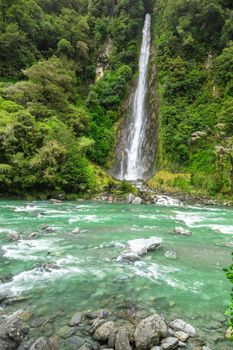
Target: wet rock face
(149, 332)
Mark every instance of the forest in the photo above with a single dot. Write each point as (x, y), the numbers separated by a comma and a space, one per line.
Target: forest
(59, 119)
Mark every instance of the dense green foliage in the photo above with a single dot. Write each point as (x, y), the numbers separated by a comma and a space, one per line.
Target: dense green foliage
(56, 119)
(195, 75)
(229, 274)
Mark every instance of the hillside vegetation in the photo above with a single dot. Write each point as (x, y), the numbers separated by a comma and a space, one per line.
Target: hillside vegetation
(194, 41)
(56, 119)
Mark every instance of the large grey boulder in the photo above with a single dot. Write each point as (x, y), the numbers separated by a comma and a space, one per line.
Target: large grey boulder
(138, 247)
(183, 326)
(149, 332)
(122, 340)
(142, 246)
(103, 332)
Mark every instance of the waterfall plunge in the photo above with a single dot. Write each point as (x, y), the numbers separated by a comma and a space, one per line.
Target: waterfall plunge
(132, 168)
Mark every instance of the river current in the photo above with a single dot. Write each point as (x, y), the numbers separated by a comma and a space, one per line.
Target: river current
(184, 277)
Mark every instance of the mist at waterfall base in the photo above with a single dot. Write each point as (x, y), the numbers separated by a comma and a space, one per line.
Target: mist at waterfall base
(132, 166)
(184, 278)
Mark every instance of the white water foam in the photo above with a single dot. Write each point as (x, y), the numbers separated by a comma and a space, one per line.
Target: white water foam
(26, 250)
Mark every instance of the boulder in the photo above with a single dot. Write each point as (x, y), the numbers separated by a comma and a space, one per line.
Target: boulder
(170, 343)
(102, 313)
(13, 236)
(181, 231)
(74, 343)
(182, 345)
(84, 347)
(142, 246)
(66, 332)
(104, 331)
(149, 332)
(14, 329)
(122, 340)
(181, 336)
(156, 348)
(130, 256)
(130, 198)
(76, 319)
(76, 231)
(33, 235)
(7, 344)
(183, 326)
(137, 200)
(229, 333)
(44, 344)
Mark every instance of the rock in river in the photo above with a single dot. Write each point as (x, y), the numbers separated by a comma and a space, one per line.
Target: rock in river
(181, 231)
(142, 246)
(104, 331)
(122, 340)
(149, 332)
(169, 343)
(183, 326)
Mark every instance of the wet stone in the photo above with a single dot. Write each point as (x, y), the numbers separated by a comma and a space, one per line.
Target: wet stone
(66, 332)
(76, 319)
(74, 343)
(169, 343)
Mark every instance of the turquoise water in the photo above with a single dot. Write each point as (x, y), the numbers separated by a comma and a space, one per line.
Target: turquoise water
(184, 277)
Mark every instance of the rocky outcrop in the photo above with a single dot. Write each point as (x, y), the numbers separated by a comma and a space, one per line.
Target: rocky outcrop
(138, 247)
(149, 332)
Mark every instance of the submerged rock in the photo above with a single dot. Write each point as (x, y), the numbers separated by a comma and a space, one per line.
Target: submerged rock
(130, 256)
(181, 231)
(44, 344)
(75, 342)
(76, 319)
(66, 332)
(149, 332)
(170, 255)
(183, 326)
(76, 231)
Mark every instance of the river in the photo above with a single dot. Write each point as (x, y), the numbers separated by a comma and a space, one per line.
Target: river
(184, 277)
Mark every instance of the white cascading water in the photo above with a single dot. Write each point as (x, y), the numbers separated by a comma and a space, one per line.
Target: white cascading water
(134, 166)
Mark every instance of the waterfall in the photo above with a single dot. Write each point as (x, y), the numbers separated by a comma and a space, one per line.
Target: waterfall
(132, 165)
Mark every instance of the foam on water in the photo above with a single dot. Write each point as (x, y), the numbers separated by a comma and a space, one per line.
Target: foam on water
(89, 218)
(28, 280)
(27, 250)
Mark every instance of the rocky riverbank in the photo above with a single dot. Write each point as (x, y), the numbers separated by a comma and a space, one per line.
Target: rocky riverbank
(99, 330)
